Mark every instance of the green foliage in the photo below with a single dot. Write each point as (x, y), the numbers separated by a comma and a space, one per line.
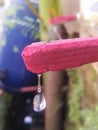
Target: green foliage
(75, 96)
(79, 118)
(4, 105)
(90, 119)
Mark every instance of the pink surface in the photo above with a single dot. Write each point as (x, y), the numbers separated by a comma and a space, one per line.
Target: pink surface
(62, 19)
(60, 54)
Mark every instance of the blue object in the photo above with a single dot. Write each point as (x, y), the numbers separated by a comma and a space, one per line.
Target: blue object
(20, 28)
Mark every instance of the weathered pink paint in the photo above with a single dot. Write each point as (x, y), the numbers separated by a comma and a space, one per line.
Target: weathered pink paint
(60, 54)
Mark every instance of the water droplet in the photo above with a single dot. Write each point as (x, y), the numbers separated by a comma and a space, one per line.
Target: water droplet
(39, 102)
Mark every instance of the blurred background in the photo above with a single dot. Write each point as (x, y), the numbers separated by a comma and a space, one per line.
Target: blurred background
(72, 94)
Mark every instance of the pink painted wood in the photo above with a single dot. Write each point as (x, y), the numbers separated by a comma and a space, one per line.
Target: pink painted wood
(62, 19)
(60, 54)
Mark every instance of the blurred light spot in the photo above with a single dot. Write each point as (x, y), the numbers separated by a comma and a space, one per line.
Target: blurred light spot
(3, 42)
(15, 49)
(1, 91)
(28, 101)
(28, 120)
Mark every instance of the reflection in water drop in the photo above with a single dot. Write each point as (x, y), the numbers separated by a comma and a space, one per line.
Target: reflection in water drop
(39, 103)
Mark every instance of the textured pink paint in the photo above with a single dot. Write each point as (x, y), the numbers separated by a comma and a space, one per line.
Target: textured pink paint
(62, 19)
(60, 54)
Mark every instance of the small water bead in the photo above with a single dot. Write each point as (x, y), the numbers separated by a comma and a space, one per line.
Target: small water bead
(39, 102)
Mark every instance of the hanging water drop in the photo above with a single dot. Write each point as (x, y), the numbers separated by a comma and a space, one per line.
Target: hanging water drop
(39, 102)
